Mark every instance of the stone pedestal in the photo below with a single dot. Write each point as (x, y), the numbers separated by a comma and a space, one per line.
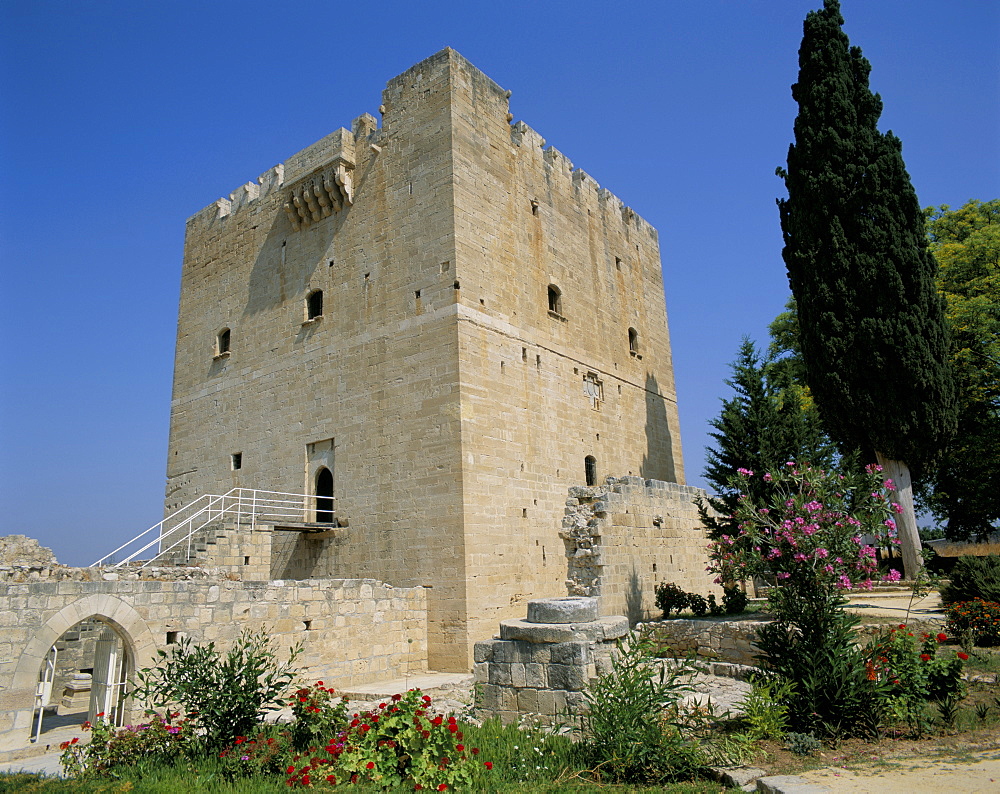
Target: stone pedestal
(542, 665)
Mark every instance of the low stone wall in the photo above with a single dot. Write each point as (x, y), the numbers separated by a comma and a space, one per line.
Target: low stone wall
(353, 631)
(719, 640)
(624, 537)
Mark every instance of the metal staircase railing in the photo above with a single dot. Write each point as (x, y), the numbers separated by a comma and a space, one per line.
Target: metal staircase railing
(240, 505)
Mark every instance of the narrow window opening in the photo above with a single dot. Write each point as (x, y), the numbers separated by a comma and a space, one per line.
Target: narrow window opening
(458, 285)
(314, 305)
(534, 206)
(501, 368)
(524, 354)
(555, 300)
(222, 342)
(633, 343)
(237, 460)
(330, 263)
(538, 362)
(246, 560)
(618, 262)
(524, 512)
(307, 625)
(590, 469)
(417, 294)
(171, 638)
(654, 567)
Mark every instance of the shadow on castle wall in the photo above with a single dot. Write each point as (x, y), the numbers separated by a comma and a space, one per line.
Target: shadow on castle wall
(658, 462)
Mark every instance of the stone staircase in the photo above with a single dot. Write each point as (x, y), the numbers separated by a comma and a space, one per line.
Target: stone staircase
(204, 547)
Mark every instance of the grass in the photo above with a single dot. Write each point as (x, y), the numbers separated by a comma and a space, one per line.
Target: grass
(180, 781)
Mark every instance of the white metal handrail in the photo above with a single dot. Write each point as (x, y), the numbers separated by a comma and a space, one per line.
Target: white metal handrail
(241, 505)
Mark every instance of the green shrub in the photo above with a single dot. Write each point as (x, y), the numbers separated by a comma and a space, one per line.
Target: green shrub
(697, 604)
(916, 674)
(224, 695)
(631, 733)
(831, 693)
(734, 600)
(973, 577)
(670, 598)
(802, 743)
(765, 708)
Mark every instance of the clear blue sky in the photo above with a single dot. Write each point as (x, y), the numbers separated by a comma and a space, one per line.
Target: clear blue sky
(121, 119)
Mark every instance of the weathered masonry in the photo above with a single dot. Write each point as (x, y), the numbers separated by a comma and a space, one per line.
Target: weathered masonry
(441, 324)
(351, 631)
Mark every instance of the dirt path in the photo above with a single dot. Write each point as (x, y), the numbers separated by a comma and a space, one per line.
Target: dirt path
(960, 775)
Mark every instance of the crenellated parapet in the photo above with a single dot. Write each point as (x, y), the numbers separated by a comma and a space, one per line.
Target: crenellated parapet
(316, 182)
(556, 163)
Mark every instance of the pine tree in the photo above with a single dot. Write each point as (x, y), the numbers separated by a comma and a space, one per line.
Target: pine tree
(873, 334)
(767, 422)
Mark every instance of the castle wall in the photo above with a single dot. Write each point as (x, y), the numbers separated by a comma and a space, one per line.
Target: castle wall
(456, 406)
(525, 220)
(352, 631)
(376, 374)
(626, 536)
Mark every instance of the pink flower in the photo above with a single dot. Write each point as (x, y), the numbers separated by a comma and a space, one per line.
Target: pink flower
(744, 472)
(783, 575)
(892, 576)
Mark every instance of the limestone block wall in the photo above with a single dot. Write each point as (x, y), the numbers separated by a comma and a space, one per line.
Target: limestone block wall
(624, 537)
(492, 318)
(717, 640)
(353, 631)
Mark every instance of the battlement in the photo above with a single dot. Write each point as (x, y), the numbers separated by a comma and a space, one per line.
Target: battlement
(320, 180)
(524, 136)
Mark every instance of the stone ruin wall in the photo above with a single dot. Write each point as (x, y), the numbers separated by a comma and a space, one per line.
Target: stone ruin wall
(353, 631)
(628, 535)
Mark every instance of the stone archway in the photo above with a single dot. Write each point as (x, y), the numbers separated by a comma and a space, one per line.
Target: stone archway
(112, 610)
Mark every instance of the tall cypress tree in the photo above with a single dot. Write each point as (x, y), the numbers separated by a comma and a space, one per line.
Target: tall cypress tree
(873, 333)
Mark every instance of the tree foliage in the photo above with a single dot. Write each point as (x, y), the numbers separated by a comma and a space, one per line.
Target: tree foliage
(768, 421)
(872, 329)
(873, 335)
(963, 490)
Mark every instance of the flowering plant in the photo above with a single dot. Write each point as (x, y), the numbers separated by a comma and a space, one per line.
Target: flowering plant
(160, 739)
(399, 743)
(916, 672)
(975, 621)
(810, 538)
(318, 712)
(263, 753)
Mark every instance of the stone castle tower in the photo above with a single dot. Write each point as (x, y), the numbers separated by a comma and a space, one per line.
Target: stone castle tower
(442, 324)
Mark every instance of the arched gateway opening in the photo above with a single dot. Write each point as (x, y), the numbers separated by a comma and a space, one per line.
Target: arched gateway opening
(80, 663)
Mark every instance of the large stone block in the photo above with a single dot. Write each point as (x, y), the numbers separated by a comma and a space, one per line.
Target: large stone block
(563, 610)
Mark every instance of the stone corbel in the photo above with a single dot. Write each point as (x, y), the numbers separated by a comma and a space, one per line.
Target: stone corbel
(346, 182)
